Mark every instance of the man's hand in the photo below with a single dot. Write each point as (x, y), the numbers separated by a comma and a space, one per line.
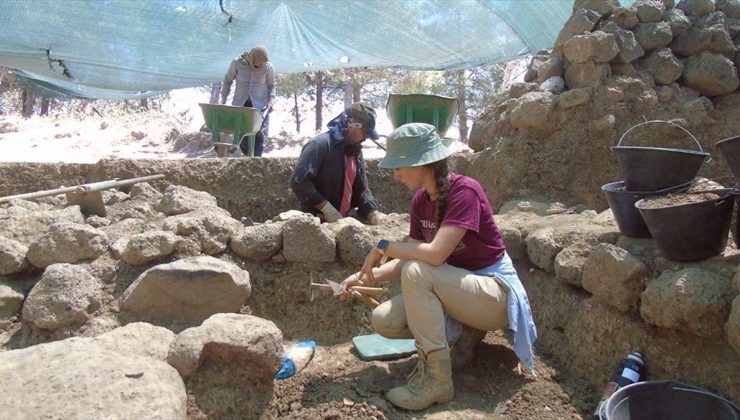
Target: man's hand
(376, 218)
(331, 214)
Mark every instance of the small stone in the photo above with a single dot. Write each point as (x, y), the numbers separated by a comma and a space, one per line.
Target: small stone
(295, 406)
(347, 402)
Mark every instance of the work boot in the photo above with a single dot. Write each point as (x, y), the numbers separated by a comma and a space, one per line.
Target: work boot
(463, 346)
(430, 382)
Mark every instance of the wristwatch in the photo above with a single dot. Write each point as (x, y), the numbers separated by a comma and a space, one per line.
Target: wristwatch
(382, 245)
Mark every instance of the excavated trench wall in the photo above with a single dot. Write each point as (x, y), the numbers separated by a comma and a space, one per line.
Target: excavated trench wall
(586, 328)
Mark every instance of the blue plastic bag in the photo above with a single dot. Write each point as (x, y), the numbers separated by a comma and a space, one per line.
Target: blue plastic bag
(296, 358)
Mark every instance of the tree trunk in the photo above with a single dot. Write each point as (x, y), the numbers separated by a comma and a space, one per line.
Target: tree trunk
(215, 93)
(45, 106)
(349, 87)
(462, 115)
(296, 113)
(356, 87)
(319, 99)
(29, 99)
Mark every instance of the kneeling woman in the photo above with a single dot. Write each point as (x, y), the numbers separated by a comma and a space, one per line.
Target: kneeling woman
(454, 267)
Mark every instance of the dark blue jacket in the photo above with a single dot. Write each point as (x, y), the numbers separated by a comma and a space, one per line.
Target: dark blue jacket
(319, 175)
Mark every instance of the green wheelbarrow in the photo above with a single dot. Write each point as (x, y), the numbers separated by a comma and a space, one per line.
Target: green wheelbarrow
(241, 121)
(436, 110)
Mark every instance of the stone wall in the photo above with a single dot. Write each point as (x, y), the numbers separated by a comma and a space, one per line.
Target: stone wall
(597, 295)
(611, 68)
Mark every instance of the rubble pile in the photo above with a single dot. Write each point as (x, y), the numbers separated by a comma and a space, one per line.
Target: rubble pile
(611, 69)
(682, 59)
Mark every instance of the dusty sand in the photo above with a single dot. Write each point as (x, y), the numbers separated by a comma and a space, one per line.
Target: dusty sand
(153, 134)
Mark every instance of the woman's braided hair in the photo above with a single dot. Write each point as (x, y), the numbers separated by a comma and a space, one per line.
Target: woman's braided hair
(443, 188)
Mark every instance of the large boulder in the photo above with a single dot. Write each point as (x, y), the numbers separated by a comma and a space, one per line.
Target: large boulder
(731, 8)
(628, 47)
(574, 97)
(678, 21)
(137, 338)
(625, 17)
(26, 228)
(306, 240)
(649, 10)
(144, 191)
(569, 262)
(663, 66)
(188, 290)
(689, 299)
(542, 247)
(614, 277)
(67, 243)
(229, 362)
(709, 34)
(653, 35)
(228, 338)
(598, 46)
(127, 227)
(532, 110)
(602, 7)
(696, 8)
(66, 295)
(582, 75)
(210, 228)
(711, 74)
(355, 241)
(12, 256)
(148, 247)
(11, 301)
(259, 242)
(581, 21)
(64, 380)
(550, 68)
(178, 199)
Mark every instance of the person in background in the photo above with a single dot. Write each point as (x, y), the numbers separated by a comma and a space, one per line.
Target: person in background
(329, 177)
(454, 270)
(255, 87)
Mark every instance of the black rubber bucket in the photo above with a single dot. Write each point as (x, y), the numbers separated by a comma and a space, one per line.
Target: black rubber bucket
(625, 213)
(663, 400)
(657, 168)
(691, 232)
(730, 149)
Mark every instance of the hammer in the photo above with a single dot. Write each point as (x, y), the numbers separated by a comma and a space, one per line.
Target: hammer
(361, 292)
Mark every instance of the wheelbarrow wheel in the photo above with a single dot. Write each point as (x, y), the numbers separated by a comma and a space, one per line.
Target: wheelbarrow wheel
(223, 150)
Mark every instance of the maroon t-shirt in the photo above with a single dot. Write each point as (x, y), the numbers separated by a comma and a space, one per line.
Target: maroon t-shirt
(468, 208)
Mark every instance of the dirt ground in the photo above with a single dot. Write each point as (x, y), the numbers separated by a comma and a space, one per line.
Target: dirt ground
(337, 384)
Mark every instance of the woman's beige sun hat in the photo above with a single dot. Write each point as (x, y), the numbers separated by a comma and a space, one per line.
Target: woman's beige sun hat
(413, 144)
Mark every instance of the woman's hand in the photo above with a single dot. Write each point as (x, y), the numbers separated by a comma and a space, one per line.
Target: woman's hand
(352, 280)
(371, 260)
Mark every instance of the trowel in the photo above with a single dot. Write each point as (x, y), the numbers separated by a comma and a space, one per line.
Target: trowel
(362, 293)
(358, 291)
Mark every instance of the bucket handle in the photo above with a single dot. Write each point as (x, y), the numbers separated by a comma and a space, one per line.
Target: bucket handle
(701, 149)
(689, 388)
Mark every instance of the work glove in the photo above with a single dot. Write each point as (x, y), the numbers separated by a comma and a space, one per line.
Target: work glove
(331, 214)
(376, 217)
